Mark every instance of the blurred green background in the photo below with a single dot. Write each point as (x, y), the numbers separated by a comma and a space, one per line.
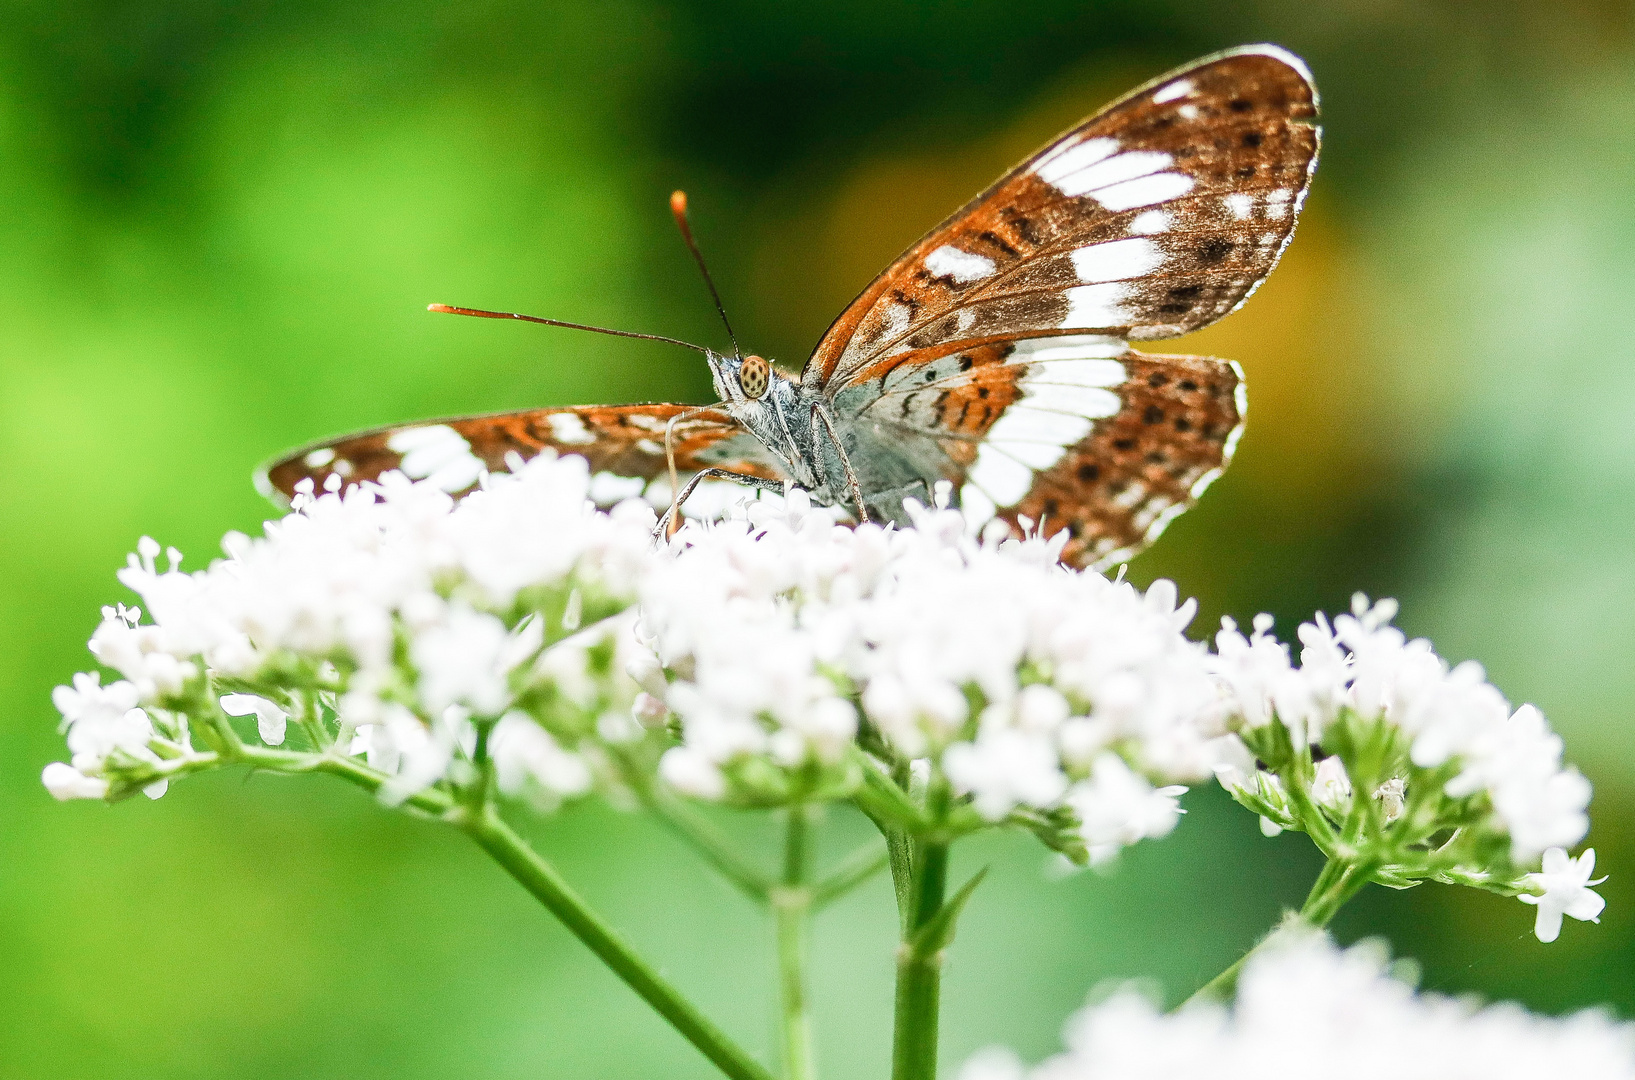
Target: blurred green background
(222, 222)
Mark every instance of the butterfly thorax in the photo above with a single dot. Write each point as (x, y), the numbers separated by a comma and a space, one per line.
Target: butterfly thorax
(825, 451)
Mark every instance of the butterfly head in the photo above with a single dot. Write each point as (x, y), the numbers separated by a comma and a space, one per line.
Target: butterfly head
(741, 380)
(764, 401)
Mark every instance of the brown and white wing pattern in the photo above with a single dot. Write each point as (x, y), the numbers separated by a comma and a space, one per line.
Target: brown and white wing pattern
(1154, 218)
(1134, 470)
(1078, 432)
(624, 445)
(1004, 334)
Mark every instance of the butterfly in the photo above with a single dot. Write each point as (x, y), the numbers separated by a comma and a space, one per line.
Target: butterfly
(994, 354)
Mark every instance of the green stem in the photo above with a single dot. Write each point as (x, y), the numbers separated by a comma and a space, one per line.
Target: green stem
(1338, 882)
(547, 886)
(710, 843)
(430, 801)
(853, 871)
(312, 721)
(1221, 986)
(791, 906)
(919, 969)
(536, 875)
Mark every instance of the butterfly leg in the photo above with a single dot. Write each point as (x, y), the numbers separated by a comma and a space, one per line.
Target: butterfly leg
(673, 515)
(845, 463)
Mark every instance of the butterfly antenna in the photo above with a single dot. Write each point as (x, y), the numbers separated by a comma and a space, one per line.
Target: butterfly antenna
(446, 309)
(678, 207)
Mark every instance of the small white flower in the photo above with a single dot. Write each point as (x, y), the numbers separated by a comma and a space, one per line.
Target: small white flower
(1392, 797)
(1041, 708)
(993, 1063)
(619, 727)
(66, 782)
(100, 722)
(644, 668)
(416, 753)
(1005, 768)
(89, 702)
(1117, 807)
(692, 773)
(1331, 787)
(143, 654)
(1564, 886)
(524, 752)
(1235, 765)
(649, 709)
(269, 718)
(463, 660)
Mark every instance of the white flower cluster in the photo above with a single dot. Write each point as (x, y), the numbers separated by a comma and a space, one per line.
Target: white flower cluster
(1305, 1007)
(1363, 666)
(101, 722)
(970, 678)
(1034, 686)
(339, 593)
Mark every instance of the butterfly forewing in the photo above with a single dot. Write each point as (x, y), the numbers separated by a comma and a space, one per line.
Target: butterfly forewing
(1152, 219)
(624, 445)
(1003, 335)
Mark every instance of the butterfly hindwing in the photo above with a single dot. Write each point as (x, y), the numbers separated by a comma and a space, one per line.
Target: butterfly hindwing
(621, 442)
(1152, 219)
(1134, 470)
(1076, 432)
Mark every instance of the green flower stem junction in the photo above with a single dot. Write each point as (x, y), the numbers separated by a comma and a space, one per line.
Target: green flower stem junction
(792, 896)
(1337, 883)
(546, 885)
(484, 825)
(915, 817)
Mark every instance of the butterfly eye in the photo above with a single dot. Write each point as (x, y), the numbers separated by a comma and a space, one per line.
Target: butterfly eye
(754, 377)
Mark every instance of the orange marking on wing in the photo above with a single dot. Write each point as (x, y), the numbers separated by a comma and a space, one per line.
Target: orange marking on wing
(627, 440)
(1243, 128)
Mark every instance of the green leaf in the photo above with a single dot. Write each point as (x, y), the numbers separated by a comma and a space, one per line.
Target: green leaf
(936, 935)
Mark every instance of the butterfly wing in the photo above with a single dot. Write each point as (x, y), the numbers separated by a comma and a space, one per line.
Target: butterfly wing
(1123, 482)
(1004, 333)
(1151, 219)
(624, 445)
(1076, 432)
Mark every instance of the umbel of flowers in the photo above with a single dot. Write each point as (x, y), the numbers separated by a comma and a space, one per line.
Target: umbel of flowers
(521, 647)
